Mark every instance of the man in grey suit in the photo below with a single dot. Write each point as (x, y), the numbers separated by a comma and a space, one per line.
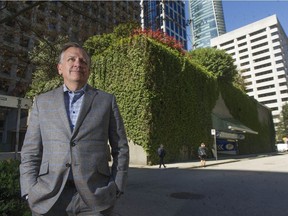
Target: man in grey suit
(64, 166)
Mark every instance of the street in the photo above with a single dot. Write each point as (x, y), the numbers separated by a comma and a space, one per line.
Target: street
(253, 186)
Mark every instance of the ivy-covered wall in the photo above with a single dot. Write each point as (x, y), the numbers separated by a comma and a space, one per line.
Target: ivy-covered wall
(253, 115)
(166, 98)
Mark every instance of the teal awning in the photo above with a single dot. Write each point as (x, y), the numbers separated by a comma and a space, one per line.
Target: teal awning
(230, 124)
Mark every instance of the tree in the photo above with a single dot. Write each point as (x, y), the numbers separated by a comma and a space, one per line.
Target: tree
(45, 58)
(99, 43)
(216, 61)
(282, 130)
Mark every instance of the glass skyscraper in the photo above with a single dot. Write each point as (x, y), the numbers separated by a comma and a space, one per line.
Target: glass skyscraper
(207, 21)
(168, 16)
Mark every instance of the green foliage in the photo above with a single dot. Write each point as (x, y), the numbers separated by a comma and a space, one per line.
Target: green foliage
(239, 82)
(282, 130)
(10, 198)
(45, 58)
(99, 43)
(157, 89)
(216, 61)
(167, 98)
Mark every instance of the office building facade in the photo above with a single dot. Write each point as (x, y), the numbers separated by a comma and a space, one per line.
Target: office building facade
(260, 51)
(24, 23)
(206, 21)
(167, 16)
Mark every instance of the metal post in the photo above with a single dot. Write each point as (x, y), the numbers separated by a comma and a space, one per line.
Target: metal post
(213, 133)
(215, 147)
(18, 128)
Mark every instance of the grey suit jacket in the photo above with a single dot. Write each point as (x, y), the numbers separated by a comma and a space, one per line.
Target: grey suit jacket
(50, 150)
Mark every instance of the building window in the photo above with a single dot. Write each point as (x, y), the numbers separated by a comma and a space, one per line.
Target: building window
(269, 102)
(275, 40)
(274, 108)
(244, 63)
(265, 87)
(249, 90)
(260, 52)
(267, 94)
(284, 91)
(263, 73)
(260, 38)
(259, 45)
(245, 70)
(226, 43)
(242, 44)
(262, 66)
(264, 80)
(230, 48)
(262, 59)
(281, 76)
(246, 77)
(241, 38)
(243, 50)
(280, 69)
(244, 57)
(257, 32)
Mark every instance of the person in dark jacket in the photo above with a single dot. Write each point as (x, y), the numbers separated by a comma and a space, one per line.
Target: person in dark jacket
(202, 153)
(161, 152)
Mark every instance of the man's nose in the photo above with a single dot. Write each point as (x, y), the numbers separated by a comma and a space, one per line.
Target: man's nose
(78, 62)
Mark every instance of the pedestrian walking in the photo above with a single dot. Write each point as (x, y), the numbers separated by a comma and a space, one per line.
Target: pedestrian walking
(161, 153)
(202, 153)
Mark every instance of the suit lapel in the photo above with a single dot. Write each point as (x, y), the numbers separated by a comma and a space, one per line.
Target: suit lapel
(59, 102)
(85, 107)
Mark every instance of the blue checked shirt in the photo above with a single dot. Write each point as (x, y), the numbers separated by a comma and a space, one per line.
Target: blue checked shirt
(73, 101)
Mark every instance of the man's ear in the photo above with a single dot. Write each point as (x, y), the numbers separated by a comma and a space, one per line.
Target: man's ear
(59, 67)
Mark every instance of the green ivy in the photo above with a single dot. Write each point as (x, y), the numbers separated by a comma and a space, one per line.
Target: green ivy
(167, 98)
(10, 198)
(164, 97)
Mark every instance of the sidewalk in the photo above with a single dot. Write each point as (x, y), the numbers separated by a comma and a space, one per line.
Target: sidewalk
(209, 162)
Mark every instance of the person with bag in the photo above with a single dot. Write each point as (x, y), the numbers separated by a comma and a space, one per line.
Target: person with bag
(202, 153)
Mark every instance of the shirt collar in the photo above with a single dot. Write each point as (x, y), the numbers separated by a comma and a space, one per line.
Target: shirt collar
(65, 89)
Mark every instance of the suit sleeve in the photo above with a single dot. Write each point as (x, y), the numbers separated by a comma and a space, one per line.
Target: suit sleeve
(31, 152)
(119, 147)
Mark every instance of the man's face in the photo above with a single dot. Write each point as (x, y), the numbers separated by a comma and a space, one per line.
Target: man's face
(74, 67)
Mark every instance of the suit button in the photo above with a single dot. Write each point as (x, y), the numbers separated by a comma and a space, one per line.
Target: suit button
(68, 165)
(73, 144)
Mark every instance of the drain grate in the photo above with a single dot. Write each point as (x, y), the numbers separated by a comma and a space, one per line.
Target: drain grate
(187, 195)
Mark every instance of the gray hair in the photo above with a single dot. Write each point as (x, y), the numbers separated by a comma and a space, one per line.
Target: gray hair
(73, 44)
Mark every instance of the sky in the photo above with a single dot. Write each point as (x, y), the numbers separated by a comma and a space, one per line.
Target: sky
(238, 13)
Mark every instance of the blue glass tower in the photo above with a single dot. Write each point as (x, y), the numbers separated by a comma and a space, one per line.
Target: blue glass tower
(168, 16)
(207, 21)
